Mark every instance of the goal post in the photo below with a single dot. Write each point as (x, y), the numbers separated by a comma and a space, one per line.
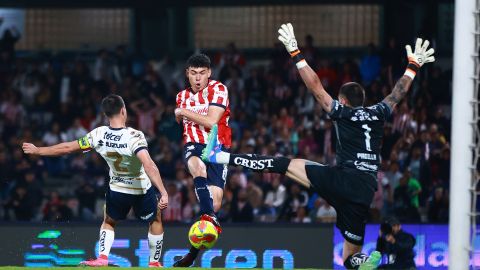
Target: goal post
(464, 121)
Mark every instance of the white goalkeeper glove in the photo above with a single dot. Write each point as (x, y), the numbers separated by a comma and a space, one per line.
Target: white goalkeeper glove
(419, 57)
(287, 37)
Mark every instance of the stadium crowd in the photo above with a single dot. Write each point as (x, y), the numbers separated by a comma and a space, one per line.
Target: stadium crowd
(49, 99)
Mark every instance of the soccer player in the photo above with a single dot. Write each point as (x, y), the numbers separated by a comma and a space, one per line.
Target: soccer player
(132, 172)
(350, 185)
(204, 104)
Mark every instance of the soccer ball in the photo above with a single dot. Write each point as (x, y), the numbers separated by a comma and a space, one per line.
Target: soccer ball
(202, 234)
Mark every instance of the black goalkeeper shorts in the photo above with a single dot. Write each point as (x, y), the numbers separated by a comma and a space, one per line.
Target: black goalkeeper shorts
(349, 191)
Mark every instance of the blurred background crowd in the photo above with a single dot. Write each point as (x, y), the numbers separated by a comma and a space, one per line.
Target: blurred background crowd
(47, 99)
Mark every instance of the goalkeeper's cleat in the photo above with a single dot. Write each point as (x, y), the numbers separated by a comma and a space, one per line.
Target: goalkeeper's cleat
(155, 264)
(212, 147)
(185, 261)
(213, 219)
(102, 260)
(372, 262)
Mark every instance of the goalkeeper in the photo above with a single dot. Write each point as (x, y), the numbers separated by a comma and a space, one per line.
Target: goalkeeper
(350, 185)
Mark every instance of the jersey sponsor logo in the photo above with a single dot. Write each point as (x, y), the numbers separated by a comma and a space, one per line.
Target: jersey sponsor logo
(202, 111)
(361, 115)
(254, 164)
(352, 236)
(367, 156)
(100, 143)
(147, 216)
(118, 179)
(116, 145)
(84, 143)
(112, 137)
(365, 166)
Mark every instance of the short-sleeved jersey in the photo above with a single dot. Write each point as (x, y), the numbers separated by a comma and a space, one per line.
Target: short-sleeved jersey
(119, 148)
(215, 94)
(359, 134)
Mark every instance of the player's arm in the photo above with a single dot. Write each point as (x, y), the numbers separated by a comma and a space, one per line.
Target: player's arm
(213, 116)
(415, 61)
(154, 174)
(309, 77)
(54, 150)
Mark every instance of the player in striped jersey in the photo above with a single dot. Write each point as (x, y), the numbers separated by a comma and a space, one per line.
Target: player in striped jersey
(132, 173)
(199, 107)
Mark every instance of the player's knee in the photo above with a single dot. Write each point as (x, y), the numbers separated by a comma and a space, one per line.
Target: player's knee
(199, 169)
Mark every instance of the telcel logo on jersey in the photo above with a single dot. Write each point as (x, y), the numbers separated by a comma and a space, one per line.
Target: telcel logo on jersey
(254, 164)
(111, 136)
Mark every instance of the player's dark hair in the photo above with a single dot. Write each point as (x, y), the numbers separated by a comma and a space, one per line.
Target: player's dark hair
(112, 104)
(198, 60)
(354, 93)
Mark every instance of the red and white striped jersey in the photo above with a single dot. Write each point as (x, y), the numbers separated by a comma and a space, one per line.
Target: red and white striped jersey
(215, 94)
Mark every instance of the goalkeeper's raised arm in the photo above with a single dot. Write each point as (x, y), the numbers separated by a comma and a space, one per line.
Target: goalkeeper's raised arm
(416, 60)
(309, 77)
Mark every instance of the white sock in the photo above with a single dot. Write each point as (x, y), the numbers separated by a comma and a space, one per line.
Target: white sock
(106, 242)
(155, 243)
(223, 157)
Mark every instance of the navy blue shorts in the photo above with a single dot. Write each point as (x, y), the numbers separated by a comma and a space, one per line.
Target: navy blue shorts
(144, 206)
(216, 173)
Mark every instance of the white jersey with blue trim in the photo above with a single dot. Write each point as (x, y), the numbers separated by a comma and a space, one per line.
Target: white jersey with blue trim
(119, 148)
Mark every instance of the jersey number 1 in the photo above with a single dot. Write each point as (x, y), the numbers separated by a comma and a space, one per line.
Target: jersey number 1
(118, 159)
(367, 136)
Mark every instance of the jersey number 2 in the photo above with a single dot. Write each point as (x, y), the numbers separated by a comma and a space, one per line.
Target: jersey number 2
(367, 136)
(118, 159)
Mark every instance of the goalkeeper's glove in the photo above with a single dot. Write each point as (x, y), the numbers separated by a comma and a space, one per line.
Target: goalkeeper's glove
(287, 37)
(419, 57)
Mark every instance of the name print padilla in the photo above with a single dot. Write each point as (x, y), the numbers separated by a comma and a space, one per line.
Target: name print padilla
(254, 164)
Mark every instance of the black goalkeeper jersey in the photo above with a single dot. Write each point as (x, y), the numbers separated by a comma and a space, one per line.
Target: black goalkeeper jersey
(359, 134)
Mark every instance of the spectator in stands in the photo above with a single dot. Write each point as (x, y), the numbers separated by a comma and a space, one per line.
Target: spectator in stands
(9, 38)
(276, 196)
(241, 210)
(301, 216)
(87, 198)
(21, 205)
(438, 206)
(324, 213)
(56, 209)
(254, 196)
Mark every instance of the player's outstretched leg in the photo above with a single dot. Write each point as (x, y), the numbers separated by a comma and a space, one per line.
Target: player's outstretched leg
(293, 168)
(213, 153)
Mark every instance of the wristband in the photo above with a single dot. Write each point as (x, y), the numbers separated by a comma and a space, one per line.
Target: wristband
(412, 69)
(302, 63)
(298, 57)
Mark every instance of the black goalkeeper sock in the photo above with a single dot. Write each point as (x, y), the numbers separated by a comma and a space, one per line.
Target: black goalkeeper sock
(260, 163)
(354, 261)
